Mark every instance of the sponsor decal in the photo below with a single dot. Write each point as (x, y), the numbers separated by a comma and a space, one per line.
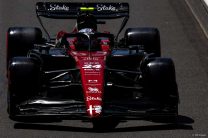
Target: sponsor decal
(93, 90)
(102, 7)
(89, 66)
(96, 108)
(91, 58)
(92, 81)
(55, 7)
(90, 98)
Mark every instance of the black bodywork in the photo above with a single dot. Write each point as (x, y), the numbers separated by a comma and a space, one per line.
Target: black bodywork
(139, 84)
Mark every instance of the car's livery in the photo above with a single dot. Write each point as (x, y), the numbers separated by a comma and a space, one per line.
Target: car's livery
(89, 75)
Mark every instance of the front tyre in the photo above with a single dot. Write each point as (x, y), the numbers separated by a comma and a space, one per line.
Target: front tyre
(23, 82)
(160, 83)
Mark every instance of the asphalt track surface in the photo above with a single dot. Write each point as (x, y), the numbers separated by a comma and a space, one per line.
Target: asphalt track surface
(181, 39)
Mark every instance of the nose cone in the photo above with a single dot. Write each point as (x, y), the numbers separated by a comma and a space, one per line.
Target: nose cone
(94, 111)
(93, 98)
(92, 76)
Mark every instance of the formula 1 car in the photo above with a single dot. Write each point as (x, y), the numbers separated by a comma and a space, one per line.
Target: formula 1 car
(87, 74)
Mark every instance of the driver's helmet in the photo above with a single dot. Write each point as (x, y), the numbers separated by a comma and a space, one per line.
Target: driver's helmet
(86, 21)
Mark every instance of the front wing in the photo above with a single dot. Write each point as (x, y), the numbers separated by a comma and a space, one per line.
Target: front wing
(141, 108)
(119, 101)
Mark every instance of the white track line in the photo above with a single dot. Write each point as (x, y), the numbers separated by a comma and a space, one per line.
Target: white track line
(206, 1)
(197, 18)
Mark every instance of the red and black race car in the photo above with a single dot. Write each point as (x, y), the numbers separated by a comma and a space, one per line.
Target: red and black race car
(87, 74)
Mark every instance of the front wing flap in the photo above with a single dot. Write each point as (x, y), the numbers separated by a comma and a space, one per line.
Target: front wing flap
(65, 109)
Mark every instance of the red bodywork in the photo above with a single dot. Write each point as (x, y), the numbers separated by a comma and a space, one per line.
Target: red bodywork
(92, 66)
